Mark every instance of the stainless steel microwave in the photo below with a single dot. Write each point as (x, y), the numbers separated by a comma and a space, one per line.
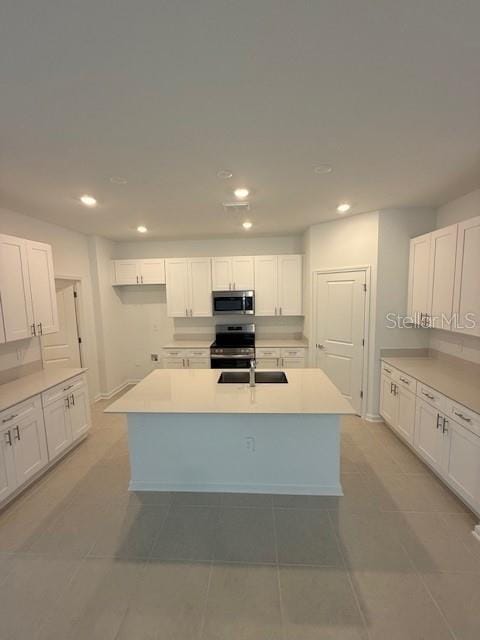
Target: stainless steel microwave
(233, 303)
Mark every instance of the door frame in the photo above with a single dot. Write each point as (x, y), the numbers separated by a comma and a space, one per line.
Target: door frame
(77, 287)
(367, 270)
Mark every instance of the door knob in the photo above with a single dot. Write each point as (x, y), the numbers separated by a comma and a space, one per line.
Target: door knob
(320, 346)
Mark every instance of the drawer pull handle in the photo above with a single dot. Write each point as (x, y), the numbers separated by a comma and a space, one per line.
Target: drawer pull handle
(387, 370)
(428, 395)
(14, 415)
(67, 388)
(460, 415)
(438, 420)
(404, 380)
(17, 429)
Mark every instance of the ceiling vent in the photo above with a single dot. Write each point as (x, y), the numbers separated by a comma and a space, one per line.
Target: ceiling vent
(236, 207)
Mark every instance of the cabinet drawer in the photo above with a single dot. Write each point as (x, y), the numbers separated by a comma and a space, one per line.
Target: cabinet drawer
(403, 380)
(175, 353)
(293, 363)
(174, 363)
(265, 352)
(267, 363)
(198, 363)
(19, 411)
(197, 353)
(431, 396)
(468, 419)
(292, 352)
(69, 386)
(387, 369)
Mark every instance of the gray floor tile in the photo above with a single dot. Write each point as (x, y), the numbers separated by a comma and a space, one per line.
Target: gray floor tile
(245, 535)
(192, 499)
(129, 531)
(243, 604)
(188, 533)
(306, 537)
(246, 499)
(319, 604)
(30, 590)
(169, 602)
(459, 599)
(397, 606)
(460, 527)
(95, 603)
(287, 501)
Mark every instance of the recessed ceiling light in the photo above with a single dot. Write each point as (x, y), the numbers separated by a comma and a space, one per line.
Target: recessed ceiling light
(142, 229)
(247, 224)
(344, 207)
(241, 193)
(88, 201)
(118, 180)
(224, 174)
(323, 168)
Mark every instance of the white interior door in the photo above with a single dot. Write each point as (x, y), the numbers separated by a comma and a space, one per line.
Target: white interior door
(339, 330)
(42, 285)
(62, 349)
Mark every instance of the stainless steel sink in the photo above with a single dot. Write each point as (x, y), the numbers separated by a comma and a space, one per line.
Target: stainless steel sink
(261, 377)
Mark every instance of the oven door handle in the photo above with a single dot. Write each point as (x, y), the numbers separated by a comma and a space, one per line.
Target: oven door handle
(242, 356)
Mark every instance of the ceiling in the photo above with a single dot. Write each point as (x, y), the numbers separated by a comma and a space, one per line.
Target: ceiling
(166, 93)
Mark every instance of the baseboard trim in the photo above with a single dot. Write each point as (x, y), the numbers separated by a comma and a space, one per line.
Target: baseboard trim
(110, 394)
(282, 489)
(373, 417)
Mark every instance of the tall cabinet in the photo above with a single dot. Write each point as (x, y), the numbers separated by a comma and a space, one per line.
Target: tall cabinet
(27, 286)
(189, 287)
(278, 285)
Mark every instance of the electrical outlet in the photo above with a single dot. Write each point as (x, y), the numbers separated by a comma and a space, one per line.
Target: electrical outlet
(250, 443)
(154, 357)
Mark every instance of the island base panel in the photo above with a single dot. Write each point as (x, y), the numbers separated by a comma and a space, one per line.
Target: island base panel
(245, 453)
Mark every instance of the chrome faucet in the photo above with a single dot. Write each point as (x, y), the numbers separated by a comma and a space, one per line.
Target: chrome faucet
(252, 372)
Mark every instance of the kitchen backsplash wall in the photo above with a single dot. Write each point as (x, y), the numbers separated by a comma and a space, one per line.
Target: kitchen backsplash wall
(456, 344)
(19, 358)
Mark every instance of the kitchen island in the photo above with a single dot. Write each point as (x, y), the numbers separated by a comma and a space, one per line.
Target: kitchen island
(186, 432)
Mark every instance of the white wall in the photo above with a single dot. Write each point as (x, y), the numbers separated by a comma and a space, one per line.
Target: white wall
(466, 347)
(71, 259)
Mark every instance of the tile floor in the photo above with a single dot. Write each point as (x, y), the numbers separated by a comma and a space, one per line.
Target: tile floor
(394, 559)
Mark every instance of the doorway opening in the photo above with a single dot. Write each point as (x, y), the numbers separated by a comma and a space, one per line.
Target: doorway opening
(64, 348)
(340, 330)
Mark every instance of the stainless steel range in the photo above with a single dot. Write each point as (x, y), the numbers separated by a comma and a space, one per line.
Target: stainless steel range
(234, 346)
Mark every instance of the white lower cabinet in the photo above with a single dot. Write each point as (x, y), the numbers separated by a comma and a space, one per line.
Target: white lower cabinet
(443, 433)
(57, 427)
(186, 358)
(8, 481)
(280, 358)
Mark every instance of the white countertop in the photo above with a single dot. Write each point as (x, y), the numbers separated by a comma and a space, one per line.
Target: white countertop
(197, 391)
(456, 381)
(204, 343)
(18, 390)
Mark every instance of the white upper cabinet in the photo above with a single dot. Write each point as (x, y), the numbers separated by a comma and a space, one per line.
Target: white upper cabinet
(15, 289)
(290, 285)
(466, 299)
(146, 271)
(443, 248)
(278, 285)
(418, 279)
(233, 274)
(27, 288)
(2, 328)
(189, 287)
(42, 285)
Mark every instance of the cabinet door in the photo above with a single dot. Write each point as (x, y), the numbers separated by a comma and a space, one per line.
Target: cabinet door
(293, 363)
(57, 427)
(177, 287)
(268, 363)
(428, 434)
(266, 282)
(388, 400)
(8, 482)
(290, 285)
(174, 363)
(15, 289)
(2, 328)
(405, 423)
(443, 249)
(79, 410)
(222, 274)
(42, 285)
(200, 287)
(152, 271)
(125, 272)
(418, 276)
(243, 273)
(198, 363)
(29, 446)
(466, 299)
(461, 461)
